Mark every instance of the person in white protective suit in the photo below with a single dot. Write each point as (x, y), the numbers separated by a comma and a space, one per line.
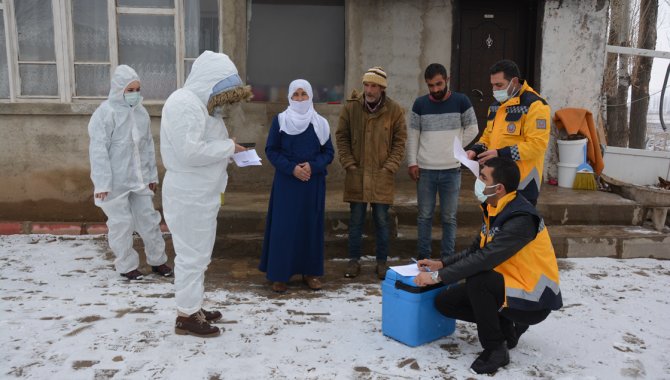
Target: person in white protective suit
(123, 170)
(196, 149)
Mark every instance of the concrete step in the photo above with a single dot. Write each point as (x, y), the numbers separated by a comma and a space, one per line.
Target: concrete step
(569, 241)
(245, 212)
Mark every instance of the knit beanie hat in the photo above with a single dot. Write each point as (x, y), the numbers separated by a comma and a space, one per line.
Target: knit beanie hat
(375, 75)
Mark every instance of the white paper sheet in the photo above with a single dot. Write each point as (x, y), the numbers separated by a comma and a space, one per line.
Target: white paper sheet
(461, 156)
(407, 270)
(247, 158)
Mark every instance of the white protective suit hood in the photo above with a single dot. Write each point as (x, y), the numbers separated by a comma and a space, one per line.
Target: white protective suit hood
(122, 77)
(208, 70)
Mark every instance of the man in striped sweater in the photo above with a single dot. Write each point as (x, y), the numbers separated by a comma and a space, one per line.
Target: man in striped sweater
(436, 119)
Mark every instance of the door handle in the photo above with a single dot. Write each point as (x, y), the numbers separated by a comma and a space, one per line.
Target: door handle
(479, 94)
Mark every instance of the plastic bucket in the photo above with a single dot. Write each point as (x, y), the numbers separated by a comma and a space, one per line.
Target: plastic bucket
(566, 174)
(571, 151)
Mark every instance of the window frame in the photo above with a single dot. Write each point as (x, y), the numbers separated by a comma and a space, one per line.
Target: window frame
(64, 48)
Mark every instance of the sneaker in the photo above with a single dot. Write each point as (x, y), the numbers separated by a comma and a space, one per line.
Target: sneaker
(381, 270)
(212, 316)
(163, 270)
(312, 282)
(133, 275)
(490, 360)
(279, 287)
(196, 325)
(353, 269)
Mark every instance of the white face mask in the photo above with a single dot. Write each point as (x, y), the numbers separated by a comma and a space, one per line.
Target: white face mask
(479, 190)
(132, 98)
(501, 95)
(300, 107)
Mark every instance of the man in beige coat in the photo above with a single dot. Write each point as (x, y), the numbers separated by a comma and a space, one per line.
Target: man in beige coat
(371, 138)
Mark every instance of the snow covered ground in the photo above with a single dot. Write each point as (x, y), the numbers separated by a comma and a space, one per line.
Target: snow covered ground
(67, 315)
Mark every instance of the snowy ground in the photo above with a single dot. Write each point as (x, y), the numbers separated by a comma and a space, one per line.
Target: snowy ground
(67, 315)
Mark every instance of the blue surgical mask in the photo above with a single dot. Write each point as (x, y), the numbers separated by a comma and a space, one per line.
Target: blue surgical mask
(132, 98)
(501, 95)
(479, 190)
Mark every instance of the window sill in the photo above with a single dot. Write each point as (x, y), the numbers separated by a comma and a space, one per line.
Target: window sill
(41, 108)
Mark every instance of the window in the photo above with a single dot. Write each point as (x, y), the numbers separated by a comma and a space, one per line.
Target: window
(291, 39)
(68, 49)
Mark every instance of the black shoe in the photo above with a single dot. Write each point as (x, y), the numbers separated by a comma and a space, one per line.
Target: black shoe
(490, 360)
(353, 269)
(133, 275)
(163, 270)
(381, 270)
(512, 331)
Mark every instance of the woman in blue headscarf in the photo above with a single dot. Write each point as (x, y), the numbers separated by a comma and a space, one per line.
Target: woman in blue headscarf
(300, 149)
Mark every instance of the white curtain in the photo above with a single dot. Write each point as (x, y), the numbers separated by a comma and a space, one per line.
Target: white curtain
(147, 44)
(91, 44)
(192, 28)
(34, 23)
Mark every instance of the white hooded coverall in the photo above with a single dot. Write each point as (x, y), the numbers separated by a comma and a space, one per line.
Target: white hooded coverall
(123, 164)
(195, 149)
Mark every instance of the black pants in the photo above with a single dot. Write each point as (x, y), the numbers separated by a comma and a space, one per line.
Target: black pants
(478, 301)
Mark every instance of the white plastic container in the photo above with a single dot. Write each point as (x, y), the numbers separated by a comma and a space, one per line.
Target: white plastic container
(566, 174)
(571, 151)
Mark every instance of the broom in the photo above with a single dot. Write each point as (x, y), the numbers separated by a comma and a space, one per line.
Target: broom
(584, 179)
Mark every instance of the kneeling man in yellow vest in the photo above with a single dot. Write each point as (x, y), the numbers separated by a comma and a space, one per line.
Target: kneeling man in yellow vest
(510, 270)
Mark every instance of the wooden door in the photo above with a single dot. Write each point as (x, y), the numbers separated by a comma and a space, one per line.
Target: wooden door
(488, 31)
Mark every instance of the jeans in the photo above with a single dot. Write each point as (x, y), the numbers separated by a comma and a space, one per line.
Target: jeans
(380, 214)
(479, 300)
(445, 183)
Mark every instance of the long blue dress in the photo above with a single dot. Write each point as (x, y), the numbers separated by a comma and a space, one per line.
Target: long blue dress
(293, 242)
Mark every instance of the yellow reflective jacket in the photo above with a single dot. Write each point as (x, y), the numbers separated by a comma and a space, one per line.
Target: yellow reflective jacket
(519, 129)
(531, 274)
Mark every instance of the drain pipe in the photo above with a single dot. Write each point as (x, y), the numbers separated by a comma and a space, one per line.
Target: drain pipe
(660, 108)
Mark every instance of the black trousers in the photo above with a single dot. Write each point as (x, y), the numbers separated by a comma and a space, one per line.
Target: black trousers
(478, 300)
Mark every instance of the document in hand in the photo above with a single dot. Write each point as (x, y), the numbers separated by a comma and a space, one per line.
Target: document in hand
(407, 270)
(460, 155)
(247, 158)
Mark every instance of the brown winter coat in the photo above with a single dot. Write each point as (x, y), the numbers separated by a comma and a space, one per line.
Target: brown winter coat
(372, 143)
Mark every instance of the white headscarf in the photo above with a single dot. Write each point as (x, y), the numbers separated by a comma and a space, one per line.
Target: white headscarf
(299, 115)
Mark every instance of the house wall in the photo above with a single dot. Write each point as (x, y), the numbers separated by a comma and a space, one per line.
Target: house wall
(44, 167)
(573, 59)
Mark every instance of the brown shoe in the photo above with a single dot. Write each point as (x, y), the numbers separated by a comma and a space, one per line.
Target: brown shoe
(162, 270)
(381, 270)
(133, 275)
(279, 287)
(196, 325)
(353, 269)
(312, 282)
(212, 316)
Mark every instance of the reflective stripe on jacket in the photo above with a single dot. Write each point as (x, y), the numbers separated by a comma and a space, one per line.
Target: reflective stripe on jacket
(531, 275)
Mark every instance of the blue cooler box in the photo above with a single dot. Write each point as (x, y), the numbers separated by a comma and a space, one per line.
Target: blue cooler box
(408, 312)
